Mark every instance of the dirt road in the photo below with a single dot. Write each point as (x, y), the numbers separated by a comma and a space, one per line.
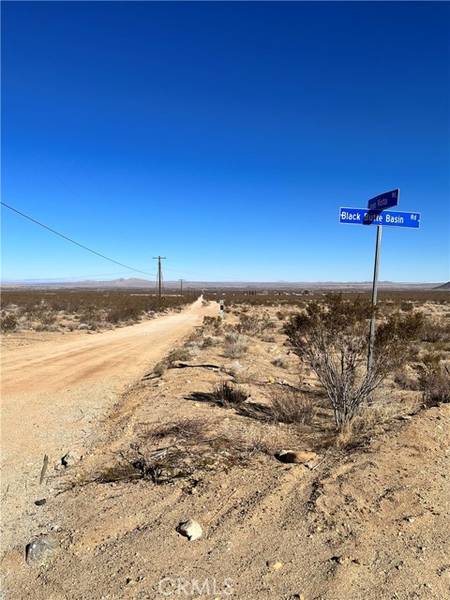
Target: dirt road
(55, 393)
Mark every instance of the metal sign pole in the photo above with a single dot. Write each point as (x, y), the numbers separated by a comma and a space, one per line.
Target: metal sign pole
(374, 297)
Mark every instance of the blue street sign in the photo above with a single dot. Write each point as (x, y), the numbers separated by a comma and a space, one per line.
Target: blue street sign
(364, 216)
(385, 200)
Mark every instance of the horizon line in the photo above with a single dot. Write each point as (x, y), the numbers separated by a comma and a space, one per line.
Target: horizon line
(54, 281)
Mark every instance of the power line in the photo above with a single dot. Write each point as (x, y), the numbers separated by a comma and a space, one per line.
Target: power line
(65, 237)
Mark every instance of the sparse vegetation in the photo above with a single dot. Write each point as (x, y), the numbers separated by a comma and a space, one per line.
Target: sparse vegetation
(235, 345)
(160, 368)
(434, 331)
(368, 421)
(331, 338)
(44, 310)
(279, 362)
(405, 381)
(208, 341)
(298, 298)
(179, 355)
(290, 406)
(8, 322)
(191, 448)
(123, 313)
(249, 324)
(212, 325)
(434, 382)
(208, 439)
(271, 339)
(254, 324)
(182, 354)
(227, 394)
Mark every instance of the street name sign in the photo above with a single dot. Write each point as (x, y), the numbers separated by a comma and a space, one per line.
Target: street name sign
(376, 214)
(364, 216)
(386, 200)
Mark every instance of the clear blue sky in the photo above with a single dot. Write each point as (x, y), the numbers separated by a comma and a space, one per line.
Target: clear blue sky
(224, 136)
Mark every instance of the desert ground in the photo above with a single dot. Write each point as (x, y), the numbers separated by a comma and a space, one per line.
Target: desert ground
(189, 416)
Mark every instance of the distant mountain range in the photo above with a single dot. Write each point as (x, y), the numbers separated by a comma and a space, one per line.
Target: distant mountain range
(136, 283)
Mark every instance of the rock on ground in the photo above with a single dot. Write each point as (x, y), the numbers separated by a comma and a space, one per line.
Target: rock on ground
(190, 529)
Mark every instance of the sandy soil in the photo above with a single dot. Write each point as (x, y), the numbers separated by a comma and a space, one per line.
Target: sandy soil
(366, 523)
(56, 391)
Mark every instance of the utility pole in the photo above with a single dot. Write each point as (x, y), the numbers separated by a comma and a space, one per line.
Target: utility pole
(181, 286)
(159, 275)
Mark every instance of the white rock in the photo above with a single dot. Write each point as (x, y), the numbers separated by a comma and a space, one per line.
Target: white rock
(190, 529)
(40, 550)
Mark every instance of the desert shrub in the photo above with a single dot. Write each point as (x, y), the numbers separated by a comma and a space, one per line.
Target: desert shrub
(113, 316)
(192, 347)
(227, 394)
(88, 312)
(178, 354)
(434, 382)
(406, 306)
(431, 361)
(47, 318)
(405, 381)
(445, 330)
(208, 341)
(332, 339)
(290, 406)
(46, 322)
(432, 332)
(249, 324)
(160, 368)
(8, 322)
(234, 345)
(368, 421)
(126, 312)
(415, 349)
(254, 324)
(271, 339)
(244, 375)
(280, 362)
(183, 429)
(212, 324)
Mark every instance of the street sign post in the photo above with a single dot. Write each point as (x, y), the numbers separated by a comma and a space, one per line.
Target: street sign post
(386, 200)
(376, 267)
(376, 214)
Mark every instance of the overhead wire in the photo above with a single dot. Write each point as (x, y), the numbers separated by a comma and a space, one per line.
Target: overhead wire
(69, 239)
